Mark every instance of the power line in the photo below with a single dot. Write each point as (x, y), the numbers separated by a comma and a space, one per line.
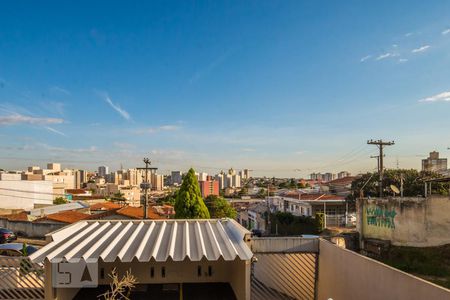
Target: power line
(380, 144)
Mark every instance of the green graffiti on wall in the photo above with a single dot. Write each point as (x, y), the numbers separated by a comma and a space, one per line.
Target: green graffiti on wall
(380, 217)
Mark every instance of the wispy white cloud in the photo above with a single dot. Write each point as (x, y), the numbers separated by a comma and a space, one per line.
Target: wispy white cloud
(54, 130)
(91, 149)
(248, 150)
(402, 60)
(442, 97)
(59, 90)
(385, 55)
(421, 49)
(115, 106)
(299, 152)
(16, 118)
(214, 64)
(446, 31)
(363, 59)
(151, 130)
(409, 34)
(124, 146)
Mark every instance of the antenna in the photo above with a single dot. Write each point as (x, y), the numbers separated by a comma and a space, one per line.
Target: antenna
(394, 189)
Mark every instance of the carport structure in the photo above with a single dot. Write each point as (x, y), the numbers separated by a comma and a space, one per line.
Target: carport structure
(159, 253)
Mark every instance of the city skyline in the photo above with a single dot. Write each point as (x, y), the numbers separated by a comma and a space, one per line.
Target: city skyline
(271, 87)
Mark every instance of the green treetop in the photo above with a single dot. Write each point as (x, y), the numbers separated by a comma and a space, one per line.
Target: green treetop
(219, 207)
(189, 202)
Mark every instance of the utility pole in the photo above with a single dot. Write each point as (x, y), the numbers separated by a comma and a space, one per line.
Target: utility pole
(145, 185)
(378, 160)
(268, 209)
(381, 144)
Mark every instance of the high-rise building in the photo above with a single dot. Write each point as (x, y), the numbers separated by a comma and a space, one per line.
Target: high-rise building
(209, 187)
(201, 176)
(220, 178)
(80, 178)
(434, 163)
(343, 174)
(103, 171)
(54, 167)
(245, 174)
(157, 182)
(231, 171)
(328, 177)
(176, 177)
(323, 177)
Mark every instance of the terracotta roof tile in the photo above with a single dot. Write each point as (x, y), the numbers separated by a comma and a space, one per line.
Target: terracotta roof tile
(343, 181)
(106, 206)
(22, 216)
(138, 212)
(69, 216)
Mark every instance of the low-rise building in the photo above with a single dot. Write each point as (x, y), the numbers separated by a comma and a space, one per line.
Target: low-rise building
(24, 194)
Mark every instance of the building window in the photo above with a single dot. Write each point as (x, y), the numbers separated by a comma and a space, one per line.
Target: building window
(163, 272)
(199, 271)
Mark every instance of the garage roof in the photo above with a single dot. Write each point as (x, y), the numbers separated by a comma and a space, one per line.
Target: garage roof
(146, 240)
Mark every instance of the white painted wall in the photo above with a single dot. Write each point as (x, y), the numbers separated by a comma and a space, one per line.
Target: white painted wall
(24, 194)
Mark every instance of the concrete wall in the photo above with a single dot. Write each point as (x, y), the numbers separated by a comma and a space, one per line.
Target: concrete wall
(284, 244)
(236, 272)
(416, 222)
(344, 274)
(37, 230)
(23, 194)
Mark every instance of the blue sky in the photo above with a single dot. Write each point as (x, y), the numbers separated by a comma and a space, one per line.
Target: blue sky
(273, 86)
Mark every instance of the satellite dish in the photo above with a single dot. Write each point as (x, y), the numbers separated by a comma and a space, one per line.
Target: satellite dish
(395, 189)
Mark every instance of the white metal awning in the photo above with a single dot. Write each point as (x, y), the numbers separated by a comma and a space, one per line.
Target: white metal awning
(147, 240)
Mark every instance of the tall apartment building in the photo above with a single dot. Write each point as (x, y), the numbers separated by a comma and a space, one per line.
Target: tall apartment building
(103, 171)
(233, 181)
(434, 163)
(245, 174)
(323, 177)
(176, 177)
(209, 187)
(343, 174)
(80, 178)
(201, 176)
(66, 178)
(157, 182)
(54, 167)
(220, 178)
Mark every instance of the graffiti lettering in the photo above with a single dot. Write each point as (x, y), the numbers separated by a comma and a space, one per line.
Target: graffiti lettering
(380, 217)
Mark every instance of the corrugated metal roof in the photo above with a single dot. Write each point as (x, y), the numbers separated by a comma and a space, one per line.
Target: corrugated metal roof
(146, 240)
(57, 208)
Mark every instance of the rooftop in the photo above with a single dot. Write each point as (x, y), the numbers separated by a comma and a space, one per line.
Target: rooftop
(70, 216)
(145, 240)
(138, 212)
(105, 206)
(58, 208)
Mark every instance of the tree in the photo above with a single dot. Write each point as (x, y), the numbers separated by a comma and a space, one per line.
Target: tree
(59, 200)
(413, 183)
(219, 207)
(169, 199)
(189, 203)
(262, 193)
